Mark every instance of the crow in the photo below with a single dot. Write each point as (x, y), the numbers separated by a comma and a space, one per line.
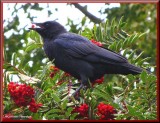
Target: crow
(78, 56)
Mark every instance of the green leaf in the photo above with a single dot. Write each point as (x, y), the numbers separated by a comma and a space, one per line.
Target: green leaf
(93, 103)
(99, 33)
(68, 112)
(56, 98)
(32, 47)
(112, 27)
(52, 111)
(72, 117)
(53, 116)
(95, 31)
(14, 57)
(143, 76)
(103, 94)
(122, 32)
(132, 54)
(109, 89)
(117, 100)
(130, 39)
(118, 88)
(123, 24)
(48, 91)
(105, 27)
(119, 45)
(83, 20)
(64, 104)
(143, 34)
(131, 77)
(135, 37)
(120, 22)
(132, 111)
(143, 60)
(31, 34)
(125, 52)
(87, 33)
(120, 36)
(35, 116)
(112, 46)
(138, 57)
(125, 43)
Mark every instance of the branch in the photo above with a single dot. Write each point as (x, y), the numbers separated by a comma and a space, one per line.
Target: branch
(89, 15)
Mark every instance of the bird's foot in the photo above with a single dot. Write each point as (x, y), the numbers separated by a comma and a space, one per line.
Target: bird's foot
(74, 95)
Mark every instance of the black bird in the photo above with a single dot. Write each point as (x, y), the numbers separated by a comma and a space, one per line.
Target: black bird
(79, 57)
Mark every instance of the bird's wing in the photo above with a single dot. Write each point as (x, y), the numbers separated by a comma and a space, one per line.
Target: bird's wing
(79, 47)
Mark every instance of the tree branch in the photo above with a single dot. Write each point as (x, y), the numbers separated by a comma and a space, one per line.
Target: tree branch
(89, 15)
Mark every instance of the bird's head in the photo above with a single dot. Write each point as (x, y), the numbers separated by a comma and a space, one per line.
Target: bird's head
(48, 29)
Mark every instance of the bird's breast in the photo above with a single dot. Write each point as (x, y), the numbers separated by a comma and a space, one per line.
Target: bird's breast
(49, 49)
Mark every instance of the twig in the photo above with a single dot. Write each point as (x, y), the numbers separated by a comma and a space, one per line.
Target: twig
(89, 15)
(16, 69)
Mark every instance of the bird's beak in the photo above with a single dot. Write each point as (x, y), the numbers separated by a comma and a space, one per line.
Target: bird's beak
(36, 26)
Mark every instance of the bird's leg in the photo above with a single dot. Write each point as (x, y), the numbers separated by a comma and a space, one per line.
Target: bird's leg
(75, 93)
(77, 90)
(83, 83)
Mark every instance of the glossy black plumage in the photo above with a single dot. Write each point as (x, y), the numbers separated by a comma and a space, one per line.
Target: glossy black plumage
(78, 56)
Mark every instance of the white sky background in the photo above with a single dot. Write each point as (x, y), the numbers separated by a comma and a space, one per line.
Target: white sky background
(64, 12)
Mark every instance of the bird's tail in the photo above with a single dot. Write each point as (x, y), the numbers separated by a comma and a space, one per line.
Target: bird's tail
(125, 69)
(131, 69)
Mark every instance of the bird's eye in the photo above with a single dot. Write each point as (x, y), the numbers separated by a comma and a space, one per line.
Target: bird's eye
(46, 24)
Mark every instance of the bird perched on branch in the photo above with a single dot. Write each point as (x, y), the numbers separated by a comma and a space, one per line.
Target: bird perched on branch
(78, 56)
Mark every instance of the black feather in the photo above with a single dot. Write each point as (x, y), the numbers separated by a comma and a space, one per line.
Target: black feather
(79, 56)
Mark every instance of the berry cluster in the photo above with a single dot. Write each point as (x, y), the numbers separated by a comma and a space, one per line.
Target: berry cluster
(33, 107)
(55, 70)
(98, 81)
(65, 76)
(82, 110)
(96, 43)
(23, 95)
(105, 112)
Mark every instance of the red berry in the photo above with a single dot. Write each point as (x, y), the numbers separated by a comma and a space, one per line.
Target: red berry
(105, 112)
(54, 68)
(33, 107)
(22, 95)
(60, 82)
(98, 81)
(82, 110)
(96, 43)
(52, 74)
(51, 67)
(33, 26)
